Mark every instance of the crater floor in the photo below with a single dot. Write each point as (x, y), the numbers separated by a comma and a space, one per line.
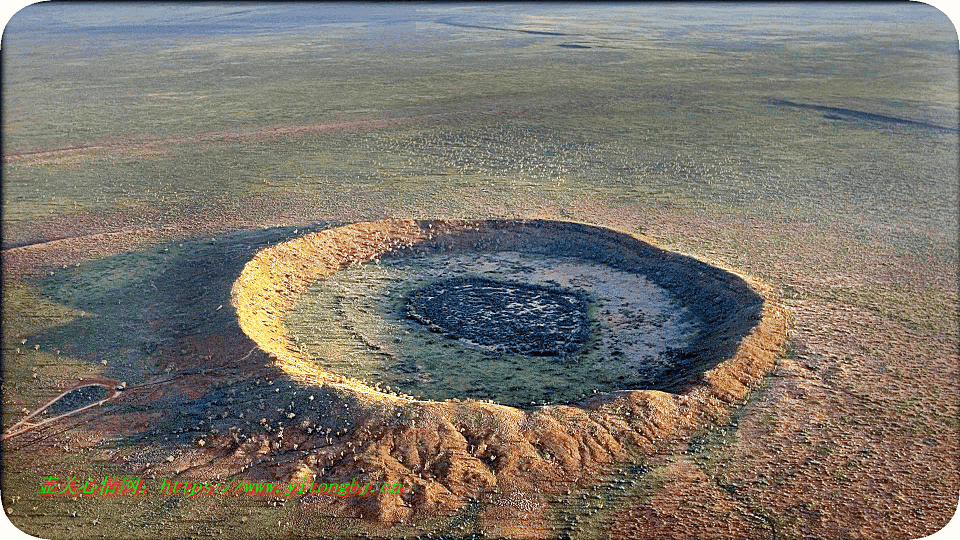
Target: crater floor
(609, 329)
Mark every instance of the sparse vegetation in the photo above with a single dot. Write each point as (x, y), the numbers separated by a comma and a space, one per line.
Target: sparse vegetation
(143, 170)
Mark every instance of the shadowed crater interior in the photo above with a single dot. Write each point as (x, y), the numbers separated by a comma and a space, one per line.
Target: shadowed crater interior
(504, 317)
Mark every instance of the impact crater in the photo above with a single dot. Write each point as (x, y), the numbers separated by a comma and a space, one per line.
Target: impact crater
(677, 361)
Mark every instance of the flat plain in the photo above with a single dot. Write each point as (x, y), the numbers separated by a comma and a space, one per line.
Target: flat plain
(149, 155)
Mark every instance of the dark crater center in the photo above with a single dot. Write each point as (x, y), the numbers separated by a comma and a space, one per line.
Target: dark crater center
(503, 317)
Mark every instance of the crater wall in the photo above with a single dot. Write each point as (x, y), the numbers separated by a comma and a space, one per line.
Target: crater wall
(454, 451)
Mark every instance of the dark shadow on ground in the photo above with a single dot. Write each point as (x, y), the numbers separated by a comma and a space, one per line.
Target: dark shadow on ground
(853, 115)
(162, 316)
(141, 302)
